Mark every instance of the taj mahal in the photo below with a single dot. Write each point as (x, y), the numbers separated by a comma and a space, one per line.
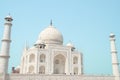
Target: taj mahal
(49, 59)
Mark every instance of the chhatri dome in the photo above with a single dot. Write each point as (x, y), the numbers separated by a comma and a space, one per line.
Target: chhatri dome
(50, 35)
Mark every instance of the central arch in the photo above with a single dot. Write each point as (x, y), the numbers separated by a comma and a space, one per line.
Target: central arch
(59, 64)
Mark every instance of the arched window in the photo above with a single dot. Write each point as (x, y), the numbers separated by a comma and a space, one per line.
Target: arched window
(41, 70)
(75, 60)
(75, 70)
(31, 69)
(32, 58)
(42, 58)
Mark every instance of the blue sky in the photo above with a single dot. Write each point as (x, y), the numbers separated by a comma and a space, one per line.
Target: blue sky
(86, 23)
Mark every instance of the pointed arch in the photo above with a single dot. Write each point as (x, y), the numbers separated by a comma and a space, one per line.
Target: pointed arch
(42, 58)
(59, 64)
(76, 70)
(75, 60)
(31, 69)
(32, 58)
(42, 70)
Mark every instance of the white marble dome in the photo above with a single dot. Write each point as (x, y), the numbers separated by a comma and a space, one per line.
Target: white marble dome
(50, 35)
(70, 44)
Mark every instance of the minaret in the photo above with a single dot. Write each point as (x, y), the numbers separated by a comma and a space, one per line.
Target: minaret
(4, 54)
(115, 64)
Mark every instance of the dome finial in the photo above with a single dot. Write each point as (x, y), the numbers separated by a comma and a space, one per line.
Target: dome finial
(51, 22)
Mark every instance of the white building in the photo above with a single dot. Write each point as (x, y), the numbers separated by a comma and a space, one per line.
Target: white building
(50, 59)
(50, 56)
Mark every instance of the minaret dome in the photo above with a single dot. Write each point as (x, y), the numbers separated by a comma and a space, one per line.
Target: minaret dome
(8, 18)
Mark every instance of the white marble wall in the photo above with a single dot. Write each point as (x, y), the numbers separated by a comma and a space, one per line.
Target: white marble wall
(50, 54)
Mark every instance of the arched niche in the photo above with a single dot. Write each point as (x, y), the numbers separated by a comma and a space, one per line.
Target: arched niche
(75, 70)
(59, 64)
(42, 58)
(31, 69)
(32, 58)
(75, 60)
(42, 70)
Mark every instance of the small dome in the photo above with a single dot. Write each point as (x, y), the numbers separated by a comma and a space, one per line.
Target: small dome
(70, 45)
(112, 35)
(8, 18)
(18, 67)
(50, 35)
